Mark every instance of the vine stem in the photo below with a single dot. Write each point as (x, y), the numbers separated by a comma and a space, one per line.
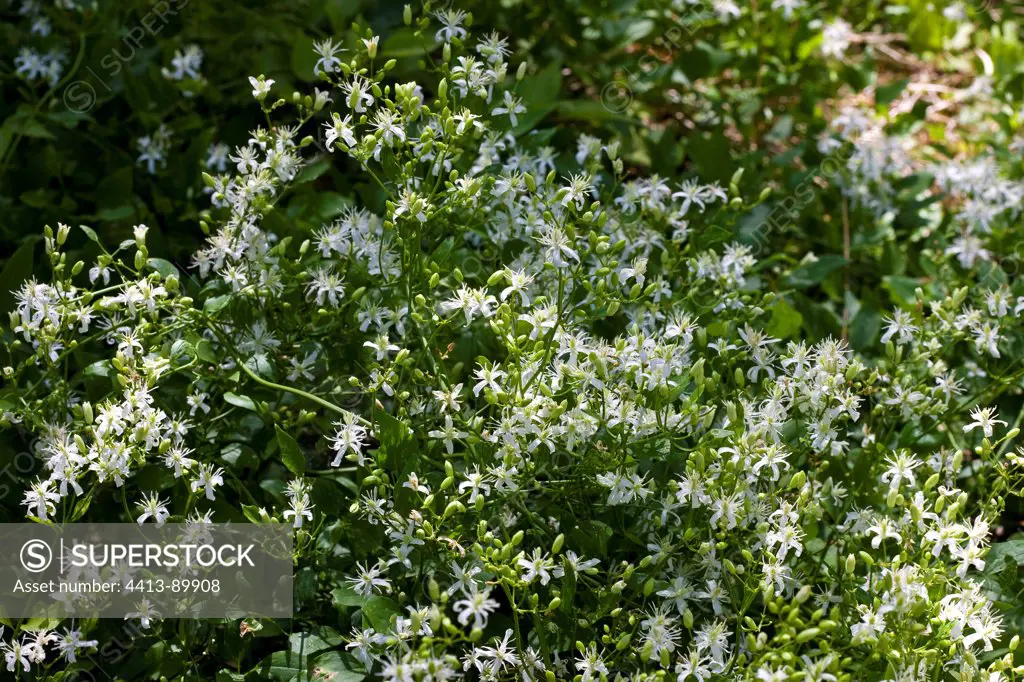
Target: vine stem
(290, 389)
(298, 391)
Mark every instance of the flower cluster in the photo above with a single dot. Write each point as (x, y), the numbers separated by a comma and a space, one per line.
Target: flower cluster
(532, 414)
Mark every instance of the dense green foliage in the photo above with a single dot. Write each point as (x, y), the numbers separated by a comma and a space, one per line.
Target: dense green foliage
(630, 340)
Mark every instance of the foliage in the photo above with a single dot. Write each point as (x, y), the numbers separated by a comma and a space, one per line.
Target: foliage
(732, 394)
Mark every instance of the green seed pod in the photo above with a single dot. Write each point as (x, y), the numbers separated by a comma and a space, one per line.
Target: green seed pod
(808, 634)
(454, 507)
(891, 497)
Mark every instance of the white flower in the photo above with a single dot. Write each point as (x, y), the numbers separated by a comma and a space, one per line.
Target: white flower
(451, 25)
(537, 566)
(349, 437)
(475, 605)
(368, 580)
(476, 484)
(788, 6)
(339, 129)
(836, 38)
(300, 509)
(328, 61)
(260, 87)
(984, 418)
(153, 508)
(511, 106)
(208, 480)
(448, 434)
(146, 614)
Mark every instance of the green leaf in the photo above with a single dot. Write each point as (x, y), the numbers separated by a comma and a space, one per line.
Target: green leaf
(901, 289)
(864, 327)
(344, 597)
(30, 127)
(543, 87)
(638, 30)
(308, 643)
(239, 455)
(884, 94)
(282, 666)
(304, 59)
(786, 320)
(590, 111)
(291, 455)
(312, 171)
(1013, 549)
(90, 233)
(164, 267)
(331, 204)
(333, 666)
(81, 507)
(116, 213)
(405, 43)
(242, 401)
(100, 368)
(808, 46)
(216, 304)
(252, 512)
(390, 431)
(378, 612)
(38, 198)
(815, 272)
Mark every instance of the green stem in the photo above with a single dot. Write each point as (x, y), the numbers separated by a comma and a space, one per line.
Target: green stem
(297, 391)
